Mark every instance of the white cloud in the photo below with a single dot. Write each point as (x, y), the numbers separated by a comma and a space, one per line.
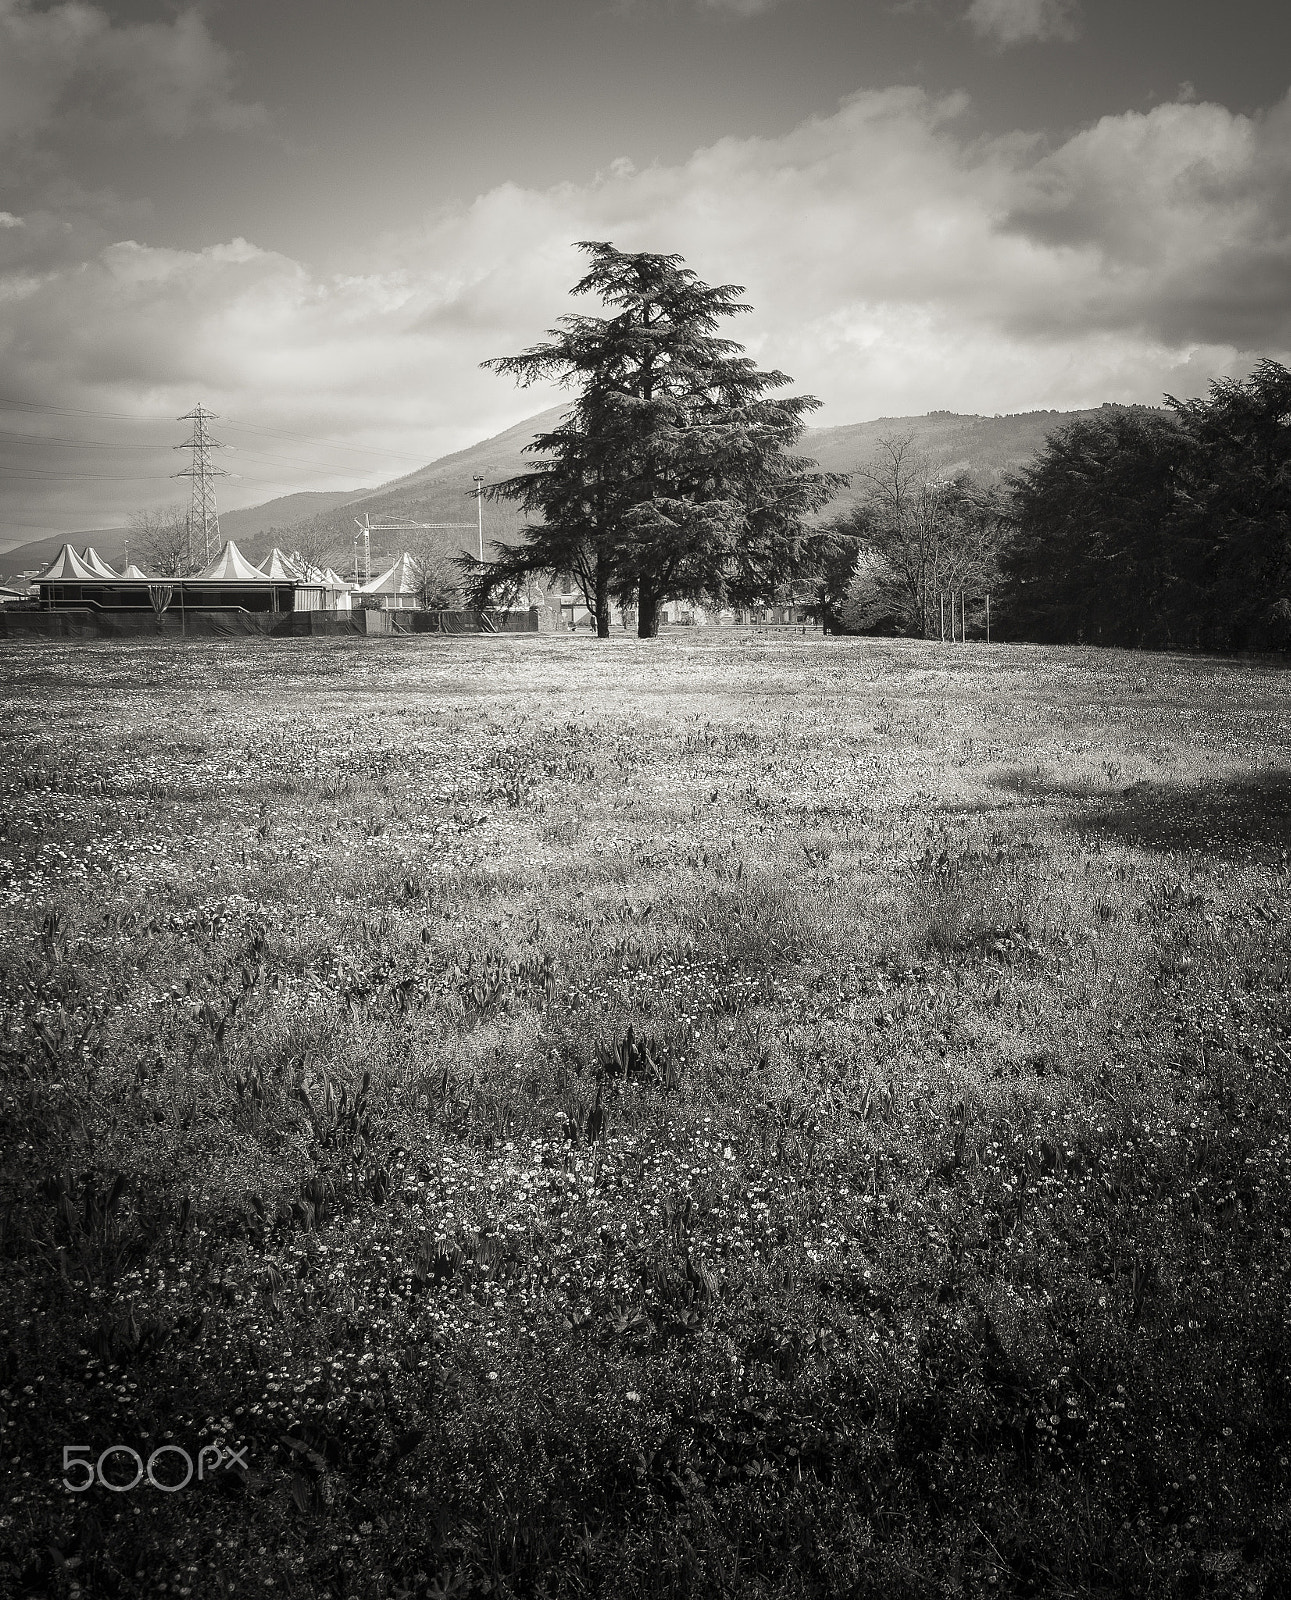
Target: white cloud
(896, 264)
(738, 8)
(70, 64)
(1009, 22)
(741, 8)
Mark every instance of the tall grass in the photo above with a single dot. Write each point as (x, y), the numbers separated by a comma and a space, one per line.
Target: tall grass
(706, 1118)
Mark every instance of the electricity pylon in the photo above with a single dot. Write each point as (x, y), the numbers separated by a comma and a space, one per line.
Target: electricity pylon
(201, 507)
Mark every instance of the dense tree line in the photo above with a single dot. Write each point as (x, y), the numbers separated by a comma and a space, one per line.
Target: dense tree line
(1160, 530)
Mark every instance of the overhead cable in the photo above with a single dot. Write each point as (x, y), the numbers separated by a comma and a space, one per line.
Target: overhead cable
(332, 442)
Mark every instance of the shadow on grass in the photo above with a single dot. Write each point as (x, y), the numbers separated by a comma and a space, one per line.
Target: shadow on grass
(1226, 819)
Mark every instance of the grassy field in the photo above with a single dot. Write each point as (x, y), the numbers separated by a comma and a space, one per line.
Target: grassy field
(718, 1117)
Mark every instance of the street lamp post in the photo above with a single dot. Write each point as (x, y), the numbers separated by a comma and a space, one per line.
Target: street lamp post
(479, 510)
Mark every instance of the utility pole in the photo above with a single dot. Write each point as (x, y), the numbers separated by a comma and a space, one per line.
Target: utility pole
(201, 508)
(988, 616)
(367, 550)
(941, 606)
(479, 510)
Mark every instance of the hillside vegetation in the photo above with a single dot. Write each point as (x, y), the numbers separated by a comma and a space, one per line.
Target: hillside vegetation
(441, 491)
(710, 1118)
(988, 446)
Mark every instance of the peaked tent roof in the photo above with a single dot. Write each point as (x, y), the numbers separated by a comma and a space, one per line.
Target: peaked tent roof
(133, 572)
(400, 579)
(282, 567)
(67, 567)
(334, 580)
(231, 566)
(96, 563)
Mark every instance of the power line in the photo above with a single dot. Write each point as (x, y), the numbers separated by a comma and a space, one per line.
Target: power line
(311, 438)
(75, 411)
(276, 480)
(269, 455)
(249, 427)
(7, 434)
(63, 477)
(80, 444)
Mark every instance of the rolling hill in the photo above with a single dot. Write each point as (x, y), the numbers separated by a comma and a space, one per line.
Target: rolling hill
(441, 492)
(323, 525)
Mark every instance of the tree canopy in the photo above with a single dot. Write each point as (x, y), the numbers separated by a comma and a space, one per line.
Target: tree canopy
(1090, 556)
(671, 476)
(1142, 529)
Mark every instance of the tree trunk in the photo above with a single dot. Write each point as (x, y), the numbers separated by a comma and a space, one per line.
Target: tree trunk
(602, 598)
(647, 613)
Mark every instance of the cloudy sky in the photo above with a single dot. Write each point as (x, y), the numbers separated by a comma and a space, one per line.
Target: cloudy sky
(318, 217)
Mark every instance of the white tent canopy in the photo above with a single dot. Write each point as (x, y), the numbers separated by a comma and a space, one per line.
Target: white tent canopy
(231, 566)
(133, 572)
(400, 579)
(283, 568)
(68, 567)
(97, 564)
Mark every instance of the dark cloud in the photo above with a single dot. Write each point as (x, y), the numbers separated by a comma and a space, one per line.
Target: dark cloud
(1183, 217)
(71, 65)
(899, 259)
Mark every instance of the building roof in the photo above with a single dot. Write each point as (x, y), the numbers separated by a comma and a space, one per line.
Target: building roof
(67, 567)
(97, 564)
(401, 578)
(231, 566)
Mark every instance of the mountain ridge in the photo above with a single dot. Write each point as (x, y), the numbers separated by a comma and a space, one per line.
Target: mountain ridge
(442, 491)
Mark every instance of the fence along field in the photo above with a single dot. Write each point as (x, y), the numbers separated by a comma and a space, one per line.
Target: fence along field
(716, 1117)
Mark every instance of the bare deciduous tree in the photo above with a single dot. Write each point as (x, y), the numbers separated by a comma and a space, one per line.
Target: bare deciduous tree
(160, 538)
(437, 576)
(922, 536)
(314, 542)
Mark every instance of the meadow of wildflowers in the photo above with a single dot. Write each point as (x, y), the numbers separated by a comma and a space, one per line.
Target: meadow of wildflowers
(725, 1116)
